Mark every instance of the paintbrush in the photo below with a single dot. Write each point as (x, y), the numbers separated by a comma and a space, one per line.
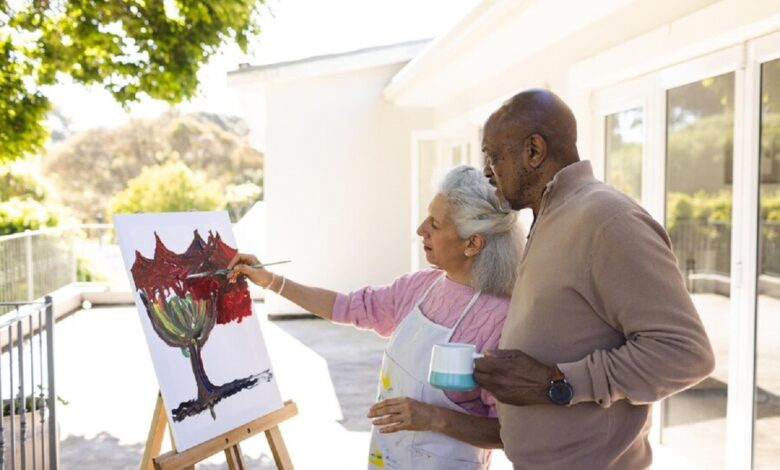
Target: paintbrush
(222, 272)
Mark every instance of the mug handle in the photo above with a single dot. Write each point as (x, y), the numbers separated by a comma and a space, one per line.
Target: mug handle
(477, 356)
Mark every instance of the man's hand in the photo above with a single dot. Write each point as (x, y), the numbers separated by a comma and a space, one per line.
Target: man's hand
(513, 377)
(403, 414)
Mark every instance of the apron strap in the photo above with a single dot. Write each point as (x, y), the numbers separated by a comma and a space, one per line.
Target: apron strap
(465, 311)
(429, 289)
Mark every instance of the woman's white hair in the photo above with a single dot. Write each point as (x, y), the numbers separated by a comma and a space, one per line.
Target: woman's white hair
(475, 209)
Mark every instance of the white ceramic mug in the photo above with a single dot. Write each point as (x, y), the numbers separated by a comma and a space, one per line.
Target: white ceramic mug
(452, 366)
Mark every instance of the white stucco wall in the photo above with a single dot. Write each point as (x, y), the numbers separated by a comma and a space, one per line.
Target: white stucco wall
(338, 180)
(488, 58)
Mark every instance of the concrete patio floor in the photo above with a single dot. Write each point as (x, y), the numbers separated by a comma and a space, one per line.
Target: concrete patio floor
(105, 373)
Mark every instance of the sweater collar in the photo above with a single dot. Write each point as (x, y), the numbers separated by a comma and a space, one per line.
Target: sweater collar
(568, 181)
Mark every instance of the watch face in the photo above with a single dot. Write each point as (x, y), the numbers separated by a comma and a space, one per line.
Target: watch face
(560, 392)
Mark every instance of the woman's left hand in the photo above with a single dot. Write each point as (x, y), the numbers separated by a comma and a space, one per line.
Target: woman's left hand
(403, 414)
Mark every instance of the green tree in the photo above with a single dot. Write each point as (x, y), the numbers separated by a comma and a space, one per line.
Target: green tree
(21, 179)
(171, 187)
(90, 168)
(132, 48)
(25, 200)
(20, 214)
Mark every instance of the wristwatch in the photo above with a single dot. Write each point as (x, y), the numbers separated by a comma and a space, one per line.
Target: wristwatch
(559, 391)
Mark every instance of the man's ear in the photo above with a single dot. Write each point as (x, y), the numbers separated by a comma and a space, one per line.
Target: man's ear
(536, 148)
(475, 244)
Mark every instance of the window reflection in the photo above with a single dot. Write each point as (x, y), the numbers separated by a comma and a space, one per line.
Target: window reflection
(700, 120)
(766, 440)
(623, 149)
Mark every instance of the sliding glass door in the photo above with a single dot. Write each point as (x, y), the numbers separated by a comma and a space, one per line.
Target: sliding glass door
(703, 155)
(624, 141)
(699, 178)
(766, 440)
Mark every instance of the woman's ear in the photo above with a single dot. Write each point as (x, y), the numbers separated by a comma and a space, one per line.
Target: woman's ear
(475, 244)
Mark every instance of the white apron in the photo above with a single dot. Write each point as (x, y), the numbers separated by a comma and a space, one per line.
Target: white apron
(405, 374)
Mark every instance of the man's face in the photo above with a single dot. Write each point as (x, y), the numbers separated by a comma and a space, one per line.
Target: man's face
(507, 168)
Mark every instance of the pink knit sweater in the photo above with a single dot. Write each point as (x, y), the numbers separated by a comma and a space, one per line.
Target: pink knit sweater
(382, 308)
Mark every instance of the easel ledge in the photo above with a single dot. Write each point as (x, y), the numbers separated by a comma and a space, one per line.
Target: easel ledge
(227, 442)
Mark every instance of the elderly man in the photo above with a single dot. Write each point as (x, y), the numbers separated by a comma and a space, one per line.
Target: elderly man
(600, 324)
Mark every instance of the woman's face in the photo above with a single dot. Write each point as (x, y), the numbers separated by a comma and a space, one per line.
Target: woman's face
(443, 247)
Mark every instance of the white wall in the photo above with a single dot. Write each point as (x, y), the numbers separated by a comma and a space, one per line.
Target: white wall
(574, 67)
(338, 180)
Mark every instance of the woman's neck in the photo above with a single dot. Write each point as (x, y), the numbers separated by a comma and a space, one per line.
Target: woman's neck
(460, 276)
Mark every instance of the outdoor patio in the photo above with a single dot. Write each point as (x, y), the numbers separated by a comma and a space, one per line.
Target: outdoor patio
(105, 373)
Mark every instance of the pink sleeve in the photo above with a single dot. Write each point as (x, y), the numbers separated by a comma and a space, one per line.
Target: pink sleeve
(490, 403)
(382, 308)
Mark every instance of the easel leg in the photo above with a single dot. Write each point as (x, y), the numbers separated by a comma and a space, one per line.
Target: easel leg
(156, 434)
(275, 441)
(235, 461)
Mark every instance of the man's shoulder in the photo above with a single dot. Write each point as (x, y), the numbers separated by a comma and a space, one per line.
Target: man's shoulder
(605, 209)
(600, 203)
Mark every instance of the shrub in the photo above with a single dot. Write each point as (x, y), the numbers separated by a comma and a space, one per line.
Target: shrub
(20, 214)
(171, 187)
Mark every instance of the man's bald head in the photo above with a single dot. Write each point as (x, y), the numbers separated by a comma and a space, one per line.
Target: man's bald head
(542, 112)
(526, 142)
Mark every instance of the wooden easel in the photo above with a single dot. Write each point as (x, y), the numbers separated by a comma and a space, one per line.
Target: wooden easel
(228, 442)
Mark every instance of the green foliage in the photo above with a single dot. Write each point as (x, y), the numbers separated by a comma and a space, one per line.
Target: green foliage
(21, 110)
(86, 271)
(170, 187)
(21, 179)
(770, 207)
(709, 208)
(624, 169)
(20, 214)
(699, 156)
(31, 402)
(90, 168)
(131, 48)
(240, 197)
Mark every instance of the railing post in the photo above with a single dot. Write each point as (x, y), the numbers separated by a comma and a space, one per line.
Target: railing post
(2, 421)
(11, 400)
(28, 256)
(22, 401)
(32, 389)
(74, 262)
(41, 395)
(52, 400)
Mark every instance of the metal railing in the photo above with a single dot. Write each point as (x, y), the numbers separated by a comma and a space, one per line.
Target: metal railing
(28, 429)
(703, 246)
(35, 263)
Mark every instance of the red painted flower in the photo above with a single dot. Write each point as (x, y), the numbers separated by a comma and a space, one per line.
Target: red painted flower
(166, 275)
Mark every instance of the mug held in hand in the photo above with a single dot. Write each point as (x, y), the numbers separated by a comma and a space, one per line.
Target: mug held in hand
(452, 366)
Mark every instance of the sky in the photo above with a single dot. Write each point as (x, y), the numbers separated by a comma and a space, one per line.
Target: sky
(291, 29)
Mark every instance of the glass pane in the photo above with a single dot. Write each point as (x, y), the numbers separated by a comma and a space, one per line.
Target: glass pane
(700, 120)
(766, 452)
(623, 151)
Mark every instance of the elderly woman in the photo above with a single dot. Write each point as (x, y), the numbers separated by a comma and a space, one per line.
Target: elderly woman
(473, 242)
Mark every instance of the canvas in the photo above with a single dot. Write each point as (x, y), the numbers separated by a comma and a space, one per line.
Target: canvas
(206, 345)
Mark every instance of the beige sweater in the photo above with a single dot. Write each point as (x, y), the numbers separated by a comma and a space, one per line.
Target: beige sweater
(599, 293)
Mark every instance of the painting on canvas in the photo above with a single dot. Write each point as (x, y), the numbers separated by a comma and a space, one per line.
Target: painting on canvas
(205, 342)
